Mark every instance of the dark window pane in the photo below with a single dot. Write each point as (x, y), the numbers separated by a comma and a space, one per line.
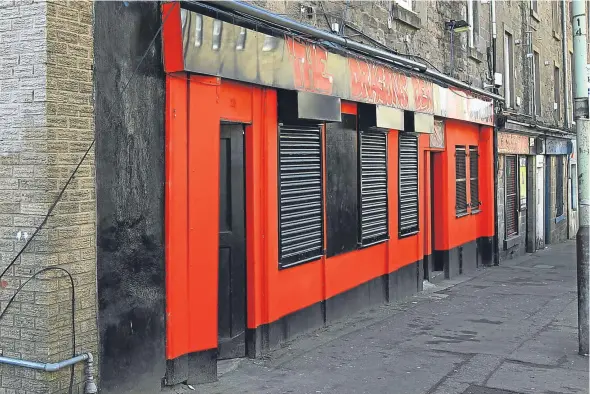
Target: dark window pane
(341, 185)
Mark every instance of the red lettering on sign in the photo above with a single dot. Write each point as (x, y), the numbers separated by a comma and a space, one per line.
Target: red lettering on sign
(309, 67)
(423, 95)
(377, 84)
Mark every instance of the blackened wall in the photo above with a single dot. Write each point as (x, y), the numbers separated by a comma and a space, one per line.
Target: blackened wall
(130, 193)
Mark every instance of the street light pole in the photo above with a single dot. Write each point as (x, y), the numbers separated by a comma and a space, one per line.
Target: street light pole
(579, 25)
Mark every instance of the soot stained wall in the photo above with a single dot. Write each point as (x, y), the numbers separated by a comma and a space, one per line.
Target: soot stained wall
(130, 193)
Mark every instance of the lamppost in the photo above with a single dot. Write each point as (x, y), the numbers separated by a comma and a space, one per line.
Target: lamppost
(455, 26)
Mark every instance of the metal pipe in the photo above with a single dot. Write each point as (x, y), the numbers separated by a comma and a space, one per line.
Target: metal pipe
(566, 101)
(278, 20)
(496, 246)
(579, 27)
(90, 385)
(49, 367)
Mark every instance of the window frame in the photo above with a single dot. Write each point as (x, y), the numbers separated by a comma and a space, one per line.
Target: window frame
(474, 150)
(509, 85)
(383, 237)
(461, 213)
(557, 92)
(416, 229)
(537, 82)
(406, 4)
(473, 21)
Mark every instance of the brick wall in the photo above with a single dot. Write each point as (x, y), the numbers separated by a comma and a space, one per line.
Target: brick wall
(45, 127)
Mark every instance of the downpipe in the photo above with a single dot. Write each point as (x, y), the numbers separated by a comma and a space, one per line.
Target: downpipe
(89, 384)
(496, 246)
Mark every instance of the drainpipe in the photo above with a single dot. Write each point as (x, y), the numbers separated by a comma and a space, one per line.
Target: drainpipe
(310, 31)
(496, 246)
(566, 101)
(89, 385)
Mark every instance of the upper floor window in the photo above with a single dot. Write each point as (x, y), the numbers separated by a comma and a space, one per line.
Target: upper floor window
(534, 6)
(473, 20)
(407, 4)
(557, 93)
(509, 70)
(537, 82)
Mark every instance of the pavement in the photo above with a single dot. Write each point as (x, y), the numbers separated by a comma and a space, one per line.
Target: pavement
(504, 330)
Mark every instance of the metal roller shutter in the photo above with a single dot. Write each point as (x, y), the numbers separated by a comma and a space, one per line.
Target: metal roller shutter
(461, 182)
(373, 187)
(300, 194)
(408, 184)
(559, 200)
(511, 197)
(474, 177)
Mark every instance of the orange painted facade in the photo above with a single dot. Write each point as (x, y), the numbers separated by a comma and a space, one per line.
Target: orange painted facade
(195, 107)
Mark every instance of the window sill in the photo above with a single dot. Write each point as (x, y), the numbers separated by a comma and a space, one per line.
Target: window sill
(296, 263)
(557, 35)
(561, 218)
(460, 215)
(475, 211)
(400, 236)
(406, 16)
(373, 243)
(512, 241)
(535, 15)
(476, 55)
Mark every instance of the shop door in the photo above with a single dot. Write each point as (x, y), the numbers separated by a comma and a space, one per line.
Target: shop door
(232, 256)
(540, 225)
(511, 205)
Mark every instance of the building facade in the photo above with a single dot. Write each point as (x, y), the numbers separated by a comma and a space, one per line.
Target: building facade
(537, 177)
(236, 184)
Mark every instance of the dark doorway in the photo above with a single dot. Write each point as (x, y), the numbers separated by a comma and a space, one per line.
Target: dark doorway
(438, 263)
(232, 256)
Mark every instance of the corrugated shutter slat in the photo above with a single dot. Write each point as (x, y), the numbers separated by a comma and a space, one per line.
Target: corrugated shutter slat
(511, 196)
(461, 181)
(300, 194)
(474, 176)
(408, 184)
(373, 187)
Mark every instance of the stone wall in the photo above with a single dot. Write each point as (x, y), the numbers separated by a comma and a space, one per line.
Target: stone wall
(517, 18)
(46, 126)
(419, 33)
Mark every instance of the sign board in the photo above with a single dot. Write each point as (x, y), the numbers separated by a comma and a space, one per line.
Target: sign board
(513, 143)
(437, 139)
(554, 146)
(218, 48)
(522, 182)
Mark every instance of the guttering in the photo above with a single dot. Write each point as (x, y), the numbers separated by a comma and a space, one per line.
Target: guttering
(310, 31)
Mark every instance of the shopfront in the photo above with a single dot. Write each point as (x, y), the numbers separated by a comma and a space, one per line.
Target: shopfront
(304, 184)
